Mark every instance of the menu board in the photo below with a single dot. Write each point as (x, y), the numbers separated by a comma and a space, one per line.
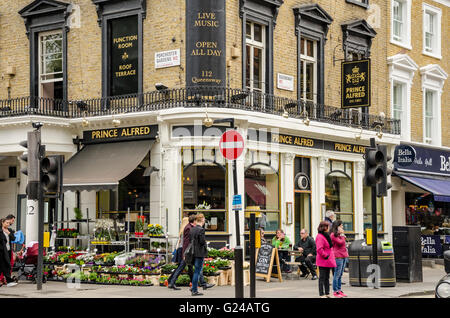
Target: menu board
(123, 46)
(264, 260)
(205, 43)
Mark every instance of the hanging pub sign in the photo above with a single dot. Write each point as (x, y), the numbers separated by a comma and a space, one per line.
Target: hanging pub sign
(123, 46)
(205, 43)
(120, 134)
(355, 84)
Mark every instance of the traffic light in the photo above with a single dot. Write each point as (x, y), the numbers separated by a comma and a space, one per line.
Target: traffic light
(31, 156)
(384, 185)
(51, 174)
(374, 166)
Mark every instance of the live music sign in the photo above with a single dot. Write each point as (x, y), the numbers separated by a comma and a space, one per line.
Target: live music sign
(231, 144)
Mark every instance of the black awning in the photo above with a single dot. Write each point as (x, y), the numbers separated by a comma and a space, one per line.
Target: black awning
(102, 166)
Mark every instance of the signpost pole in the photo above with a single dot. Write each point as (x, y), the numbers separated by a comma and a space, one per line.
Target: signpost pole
(252, 256)
(238, 252)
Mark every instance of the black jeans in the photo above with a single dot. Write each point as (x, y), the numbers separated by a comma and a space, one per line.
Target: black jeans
(308, 263)
(284, 257)
(324, 280)
(5, 268)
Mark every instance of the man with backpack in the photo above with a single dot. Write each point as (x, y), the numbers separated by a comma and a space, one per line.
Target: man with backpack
(186, 240)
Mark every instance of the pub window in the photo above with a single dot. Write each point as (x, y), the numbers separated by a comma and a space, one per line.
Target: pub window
(255, 57)
(339, 192)
(204, 186)
(308, 70)
(51, 65)
(367, 210)
(262, 183)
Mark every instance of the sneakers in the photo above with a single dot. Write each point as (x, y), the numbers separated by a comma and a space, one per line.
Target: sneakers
(196, 294)
(174, 287)
(337, 295)
(12, 284)
(207, 285)
(314, 277)
(342, 293)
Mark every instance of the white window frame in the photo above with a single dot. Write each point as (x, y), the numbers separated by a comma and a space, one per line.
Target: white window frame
(437, 14)
(401, 70)
(262, 46)
(405, 42)
(40, 64)
(310, 59)
(435, 138)
(433, 79)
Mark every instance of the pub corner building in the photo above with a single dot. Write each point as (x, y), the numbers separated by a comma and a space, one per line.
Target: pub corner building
(133, 150)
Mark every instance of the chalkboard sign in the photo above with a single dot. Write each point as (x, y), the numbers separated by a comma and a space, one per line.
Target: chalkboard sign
(266, 256)
(264, 259)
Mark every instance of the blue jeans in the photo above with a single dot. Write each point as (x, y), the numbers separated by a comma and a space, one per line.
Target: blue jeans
(198, 264)
(173, 278)
(337, 277)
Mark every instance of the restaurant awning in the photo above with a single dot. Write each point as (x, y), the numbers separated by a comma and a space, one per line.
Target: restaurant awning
(102, 166)
(440, 188)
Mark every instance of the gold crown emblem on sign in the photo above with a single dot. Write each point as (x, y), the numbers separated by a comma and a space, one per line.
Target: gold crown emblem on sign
(124, 56)
(355, 70)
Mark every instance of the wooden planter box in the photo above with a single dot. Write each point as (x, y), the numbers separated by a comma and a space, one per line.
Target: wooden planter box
(213, 279)
(223, 278)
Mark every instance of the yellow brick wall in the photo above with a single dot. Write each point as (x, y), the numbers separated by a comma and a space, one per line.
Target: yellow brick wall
(165, 21)
(423, 60)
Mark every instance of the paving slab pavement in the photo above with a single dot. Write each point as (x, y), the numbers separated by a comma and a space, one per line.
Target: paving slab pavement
(293, 288)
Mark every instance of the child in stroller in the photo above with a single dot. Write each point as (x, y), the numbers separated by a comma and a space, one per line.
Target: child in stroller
(27, 264)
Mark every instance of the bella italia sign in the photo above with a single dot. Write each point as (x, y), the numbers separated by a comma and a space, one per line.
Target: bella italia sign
(355, 84)
(205, 43)
(421, 159)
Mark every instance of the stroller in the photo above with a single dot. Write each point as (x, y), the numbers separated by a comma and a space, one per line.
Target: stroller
(27, 264)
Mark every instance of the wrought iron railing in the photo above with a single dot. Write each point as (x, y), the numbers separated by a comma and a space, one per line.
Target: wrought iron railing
(198, 97)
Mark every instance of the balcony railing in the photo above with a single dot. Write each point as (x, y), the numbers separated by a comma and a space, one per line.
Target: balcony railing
(198, 97)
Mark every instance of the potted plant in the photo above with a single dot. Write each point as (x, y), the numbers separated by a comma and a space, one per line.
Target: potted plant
(78, 214)
(139, 227)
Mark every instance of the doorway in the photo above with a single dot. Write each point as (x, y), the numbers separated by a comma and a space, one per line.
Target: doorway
(302, 191)
(302, 214)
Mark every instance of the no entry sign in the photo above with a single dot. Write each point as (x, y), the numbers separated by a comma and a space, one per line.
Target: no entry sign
(231, 144)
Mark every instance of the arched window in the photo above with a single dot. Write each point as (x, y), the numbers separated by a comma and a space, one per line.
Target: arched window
(204, 186)
(262, 184)
(339, 192)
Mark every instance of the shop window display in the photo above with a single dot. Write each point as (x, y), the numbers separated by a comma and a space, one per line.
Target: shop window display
(339, 192)
(262, 190)
(204, 184)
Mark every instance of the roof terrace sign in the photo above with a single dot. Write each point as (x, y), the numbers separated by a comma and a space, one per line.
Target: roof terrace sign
(205, 43)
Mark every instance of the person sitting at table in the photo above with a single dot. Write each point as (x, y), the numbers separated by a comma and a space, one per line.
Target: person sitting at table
(307, 246)
(282, 243)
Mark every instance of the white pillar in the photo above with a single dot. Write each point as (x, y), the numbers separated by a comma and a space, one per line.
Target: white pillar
(359, 207)
(318, 177)
(287, 192)
(32, 221)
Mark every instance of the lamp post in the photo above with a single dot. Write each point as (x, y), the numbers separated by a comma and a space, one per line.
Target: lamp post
(238, 251)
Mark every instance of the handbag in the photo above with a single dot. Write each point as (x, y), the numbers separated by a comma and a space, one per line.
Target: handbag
(189, 254)
(177, 253)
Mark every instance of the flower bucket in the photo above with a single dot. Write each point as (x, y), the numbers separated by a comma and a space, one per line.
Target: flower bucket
(223, 278)
(139, 234)
(213, 279)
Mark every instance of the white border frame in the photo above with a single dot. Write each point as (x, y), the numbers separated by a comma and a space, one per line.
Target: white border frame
(437, 12)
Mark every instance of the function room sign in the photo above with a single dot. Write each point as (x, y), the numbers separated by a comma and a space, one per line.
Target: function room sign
(205, 43)
(355, 84)
(123, 45)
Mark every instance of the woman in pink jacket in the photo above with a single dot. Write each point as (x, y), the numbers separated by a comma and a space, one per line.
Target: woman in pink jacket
(341, 255)
(325, 259)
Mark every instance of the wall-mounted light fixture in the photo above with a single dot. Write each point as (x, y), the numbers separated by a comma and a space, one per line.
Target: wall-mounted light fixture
(84, 122)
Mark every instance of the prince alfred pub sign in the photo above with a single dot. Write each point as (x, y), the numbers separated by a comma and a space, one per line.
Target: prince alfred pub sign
(355, 84)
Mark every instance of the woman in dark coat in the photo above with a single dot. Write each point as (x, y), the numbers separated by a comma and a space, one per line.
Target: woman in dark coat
(198, 240)
(6, 237)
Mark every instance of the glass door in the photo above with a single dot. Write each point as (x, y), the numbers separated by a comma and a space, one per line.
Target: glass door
(302, 213)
